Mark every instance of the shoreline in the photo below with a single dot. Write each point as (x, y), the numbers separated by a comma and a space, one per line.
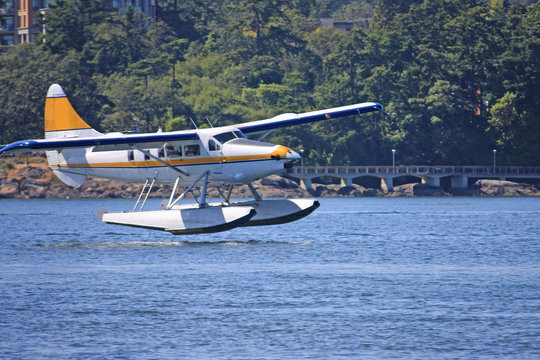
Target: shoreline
(36, 180)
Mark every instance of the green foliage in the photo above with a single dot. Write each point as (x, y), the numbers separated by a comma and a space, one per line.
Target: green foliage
(461, 77)
(175, 124)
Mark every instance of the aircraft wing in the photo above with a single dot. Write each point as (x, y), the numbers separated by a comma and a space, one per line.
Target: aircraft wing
(119, 141)
(102, 143)
(296, 119)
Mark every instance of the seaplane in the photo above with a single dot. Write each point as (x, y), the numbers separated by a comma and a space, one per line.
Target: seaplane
(191, 160)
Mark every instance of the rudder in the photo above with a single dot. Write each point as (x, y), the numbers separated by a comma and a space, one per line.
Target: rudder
(60, 116)
(62, 121)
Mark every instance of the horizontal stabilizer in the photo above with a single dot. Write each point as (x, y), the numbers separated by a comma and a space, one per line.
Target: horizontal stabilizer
(70, 179)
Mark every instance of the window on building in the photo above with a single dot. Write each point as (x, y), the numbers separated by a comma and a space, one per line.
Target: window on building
(35, 4)
(7, 40)
(7, 23)
(192, 150)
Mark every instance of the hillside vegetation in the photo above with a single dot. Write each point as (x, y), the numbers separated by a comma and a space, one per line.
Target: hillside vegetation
(461, 77)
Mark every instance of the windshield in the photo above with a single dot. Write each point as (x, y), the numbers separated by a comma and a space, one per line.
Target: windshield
(228, 136)
(239, 134)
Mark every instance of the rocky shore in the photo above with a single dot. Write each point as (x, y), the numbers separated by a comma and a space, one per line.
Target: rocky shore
(20, 179)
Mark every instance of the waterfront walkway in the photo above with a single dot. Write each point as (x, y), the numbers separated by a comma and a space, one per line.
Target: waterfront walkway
(431, 175)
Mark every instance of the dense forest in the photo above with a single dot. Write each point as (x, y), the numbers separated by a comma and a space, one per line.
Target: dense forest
(461, 78)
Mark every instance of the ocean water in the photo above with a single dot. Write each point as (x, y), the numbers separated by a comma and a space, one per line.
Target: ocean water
(370, 278)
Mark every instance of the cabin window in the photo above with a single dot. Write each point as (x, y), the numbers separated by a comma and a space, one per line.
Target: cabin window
(212, 145)
(193, 150)
(174, 151)
(146, 156)
(161, 152)
(224, 137)
(131, 156)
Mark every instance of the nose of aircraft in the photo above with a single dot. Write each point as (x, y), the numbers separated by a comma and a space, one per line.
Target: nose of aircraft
(293, 155)
(283, 152)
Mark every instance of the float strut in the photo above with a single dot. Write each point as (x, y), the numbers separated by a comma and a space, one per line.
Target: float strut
(202, 202)
(205, 175)
(146, 196)
(173, 192)
(254, 192)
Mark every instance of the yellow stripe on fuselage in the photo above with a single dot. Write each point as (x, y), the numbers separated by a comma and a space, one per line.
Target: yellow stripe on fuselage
(280, 151)
(174, 162)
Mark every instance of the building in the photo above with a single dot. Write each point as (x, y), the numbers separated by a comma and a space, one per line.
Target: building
(340, 25)
(148, 7)
(28, 28)
(8, 30)
(18, 18)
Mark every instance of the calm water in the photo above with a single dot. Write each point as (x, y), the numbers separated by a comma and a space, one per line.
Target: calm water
(359, 278)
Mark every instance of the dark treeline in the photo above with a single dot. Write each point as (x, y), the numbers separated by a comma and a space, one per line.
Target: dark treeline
(460, 77)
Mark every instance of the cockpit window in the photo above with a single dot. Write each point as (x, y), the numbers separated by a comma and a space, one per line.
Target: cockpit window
(228, 136)
(224, 137)
(212, 145)
(239, 134)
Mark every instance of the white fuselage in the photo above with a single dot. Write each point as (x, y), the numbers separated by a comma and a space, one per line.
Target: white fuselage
(227, 156)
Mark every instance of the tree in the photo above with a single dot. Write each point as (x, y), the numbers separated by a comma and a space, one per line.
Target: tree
(26, 72)
(68, 21)
(515, 114)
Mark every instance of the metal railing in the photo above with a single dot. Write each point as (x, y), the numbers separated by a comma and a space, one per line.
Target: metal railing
(418, 170)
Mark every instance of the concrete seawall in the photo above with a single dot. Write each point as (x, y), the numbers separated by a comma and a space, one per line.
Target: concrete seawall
(17, 180)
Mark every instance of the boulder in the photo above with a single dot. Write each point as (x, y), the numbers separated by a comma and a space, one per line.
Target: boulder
(8, 191)
(31, 172)
(505, 188)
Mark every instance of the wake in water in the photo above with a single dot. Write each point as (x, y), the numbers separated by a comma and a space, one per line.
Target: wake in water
(157, 244)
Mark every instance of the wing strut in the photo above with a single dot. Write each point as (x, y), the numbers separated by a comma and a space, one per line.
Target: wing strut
(265, 135)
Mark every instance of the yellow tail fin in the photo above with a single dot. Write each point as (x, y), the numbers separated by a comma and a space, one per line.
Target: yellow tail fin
(62, 121)
(59, 114)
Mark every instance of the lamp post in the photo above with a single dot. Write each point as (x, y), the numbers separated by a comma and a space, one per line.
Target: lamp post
(302, 160)
(494, 159)
(394, 160)
(43, 13)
